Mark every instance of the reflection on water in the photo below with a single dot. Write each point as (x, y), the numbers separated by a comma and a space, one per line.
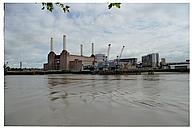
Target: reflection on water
(83, 99)
(151, 87)
(150, 91)
(108, 89)
(151, 77)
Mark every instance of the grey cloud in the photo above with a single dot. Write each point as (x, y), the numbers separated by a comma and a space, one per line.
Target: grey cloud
(143, 28)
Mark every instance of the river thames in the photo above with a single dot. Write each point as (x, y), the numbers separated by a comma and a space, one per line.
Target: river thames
(97, 100)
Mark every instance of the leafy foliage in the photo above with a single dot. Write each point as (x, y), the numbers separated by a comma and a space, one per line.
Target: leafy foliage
(50, 7)
(118, 5)
(65, 8)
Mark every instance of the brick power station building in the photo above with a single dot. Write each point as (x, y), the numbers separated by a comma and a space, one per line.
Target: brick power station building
(66, 61)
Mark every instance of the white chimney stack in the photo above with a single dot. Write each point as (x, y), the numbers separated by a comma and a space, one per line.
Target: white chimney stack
(64, 42)
(81, 50)
(51, 48)
(92, 49)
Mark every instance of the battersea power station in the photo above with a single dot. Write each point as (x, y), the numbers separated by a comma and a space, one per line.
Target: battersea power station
(68, 62)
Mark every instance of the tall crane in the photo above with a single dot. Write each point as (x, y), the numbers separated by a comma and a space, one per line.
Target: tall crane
(119, 57)
(121, 52)
(106, 64)
(108, 52)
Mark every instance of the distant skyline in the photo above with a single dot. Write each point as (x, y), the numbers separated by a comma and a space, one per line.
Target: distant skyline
(142, 28)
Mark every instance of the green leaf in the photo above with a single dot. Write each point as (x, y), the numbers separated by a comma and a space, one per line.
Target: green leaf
(49, 7)
(118, 5)
(109, 6)
(64, 10)
(67, 6)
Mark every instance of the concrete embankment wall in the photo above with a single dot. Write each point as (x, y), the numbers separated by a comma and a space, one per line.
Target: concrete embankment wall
(135, 72)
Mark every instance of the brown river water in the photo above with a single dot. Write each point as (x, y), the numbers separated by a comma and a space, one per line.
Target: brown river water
(97, 100)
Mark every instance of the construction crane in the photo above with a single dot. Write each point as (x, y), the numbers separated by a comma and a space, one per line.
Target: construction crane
(108, 52)
(121, 52)
(106, 64)
(119, 57)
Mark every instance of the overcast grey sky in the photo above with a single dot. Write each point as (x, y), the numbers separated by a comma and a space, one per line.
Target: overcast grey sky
(142, 28)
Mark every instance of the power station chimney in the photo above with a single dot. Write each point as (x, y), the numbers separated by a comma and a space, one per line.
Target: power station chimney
(92, 49)
(81, 50)
(51, 48)
(64, 42)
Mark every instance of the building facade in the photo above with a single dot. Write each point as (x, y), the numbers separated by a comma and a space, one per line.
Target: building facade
(130, 61)
(66, 61)
(100, 61)
(100, 58)
(150, 60)
(180, 65)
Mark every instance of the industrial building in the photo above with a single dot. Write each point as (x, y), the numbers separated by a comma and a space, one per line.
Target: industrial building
(150, 60)
(131, 61)
(179, 65)
(128, 63)
(163, 64)
(100, 58)
(103, 63)
(68, 62)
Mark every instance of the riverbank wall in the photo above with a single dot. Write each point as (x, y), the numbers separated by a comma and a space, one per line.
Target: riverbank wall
(132, 72)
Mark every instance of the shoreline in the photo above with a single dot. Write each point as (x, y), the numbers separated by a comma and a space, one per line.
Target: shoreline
(129, 72)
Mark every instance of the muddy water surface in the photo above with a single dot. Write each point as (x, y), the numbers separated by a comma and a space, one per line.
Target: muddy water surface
(86, 100)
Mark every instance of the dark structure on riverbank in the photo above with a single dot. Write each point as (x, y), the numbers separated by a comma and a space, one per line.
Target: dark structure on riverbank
(132, 72)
